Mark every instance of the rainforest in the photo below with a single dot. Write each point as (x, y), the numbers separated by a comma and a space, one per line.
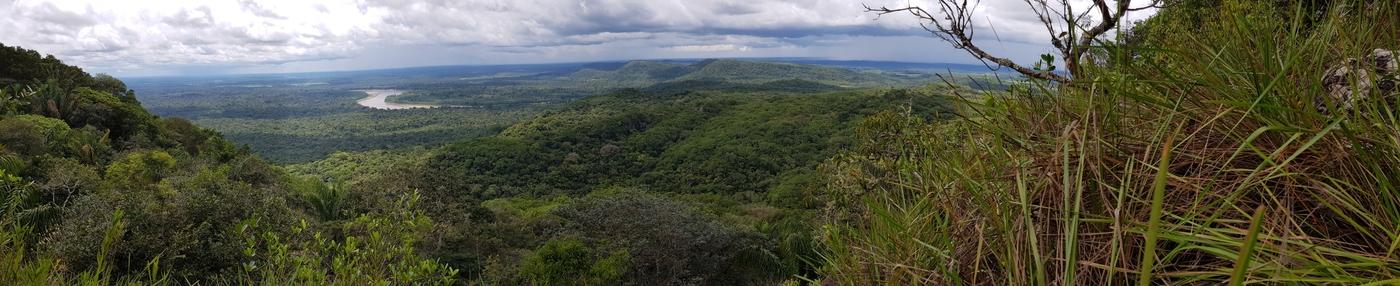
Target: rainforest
(1168, 142)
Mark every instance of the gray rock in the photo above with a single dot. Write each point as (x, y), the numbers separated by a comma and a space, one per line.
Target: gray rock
(1354, 80)
(1388, 66)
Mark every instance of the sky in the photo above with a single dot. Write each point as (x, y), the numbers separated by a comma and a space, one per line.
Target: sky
(210, 37)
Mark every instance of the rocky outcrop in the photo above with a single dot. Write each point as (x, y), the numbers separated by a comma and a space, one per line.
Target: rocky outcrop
(1353, 80)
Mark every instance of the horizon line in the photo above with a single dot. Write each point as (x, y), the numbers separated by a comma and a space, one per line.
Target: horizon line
(980, 66)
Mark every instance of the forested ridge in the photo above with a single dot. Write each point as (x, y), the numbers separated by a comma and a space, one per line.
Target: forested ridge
(665, 186)
(642, 73)
(693, 181)
(290, 119)
(686, 142)
(1215, 142)
(565, 85)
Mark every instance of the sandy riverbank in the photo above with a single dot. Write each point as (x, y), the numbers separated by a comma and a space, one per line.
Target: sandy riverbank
(376, 99)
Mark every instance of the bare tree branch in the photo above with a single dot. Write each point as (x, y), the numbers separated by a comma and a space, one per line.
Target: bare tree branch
(955, 26)
(1155, 4)
(1071, 33)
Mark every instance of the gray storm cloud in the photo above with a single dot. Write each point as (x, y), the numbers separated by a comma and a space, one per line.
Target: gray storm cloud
(151, 37)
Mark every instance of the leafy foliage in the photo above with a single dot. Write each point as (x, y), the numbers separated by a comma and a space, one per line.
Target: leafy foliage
(676, 142)
(379, 250)
(570, 262)
(669, 243)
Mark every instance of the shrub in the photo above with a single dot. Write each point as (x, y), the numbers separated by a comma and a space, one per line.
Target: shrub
(570, 262)
(374, 249)
(668, 241)
(183, 220)
(23, 137)
(139, 170)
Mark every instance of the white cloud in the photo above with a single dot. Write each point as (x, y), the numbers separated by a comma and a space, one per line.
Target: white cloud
(159, 36)
(709, 48)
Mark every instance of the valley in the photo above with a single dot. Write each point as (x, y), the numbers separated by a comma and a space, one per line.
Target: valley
(298, 118)
(688, 143)
(728, 147)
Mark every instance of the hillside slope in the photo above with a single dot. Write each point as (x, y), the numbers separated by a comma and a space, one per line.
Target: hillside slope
(685, 142)
(95, 190)
(718, 184)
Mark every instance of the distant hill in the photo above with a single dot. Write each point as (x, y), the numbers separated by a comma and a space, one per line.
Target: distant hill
(562, 69)
(757, 72)
(636, 73)
(787, 85)
(724, 140)
(890, 66)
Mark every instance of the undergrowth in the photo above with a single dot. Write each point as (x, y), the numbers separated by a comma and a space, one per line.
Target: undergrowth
(1191, 154)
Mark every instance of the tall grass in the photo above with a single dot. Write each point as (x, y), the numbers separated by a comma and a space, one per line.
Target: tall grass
(1194, 156)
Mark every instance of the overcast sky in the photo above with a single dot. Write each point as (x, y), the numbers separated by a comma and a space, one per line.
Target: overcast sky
(183, 37)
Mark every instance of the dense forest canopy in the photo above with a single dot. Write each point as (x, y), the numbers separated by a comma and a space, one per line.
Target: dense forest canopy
(1216, 142)
(724, 169)
(300, 118)
(96, 190)
(687, 142)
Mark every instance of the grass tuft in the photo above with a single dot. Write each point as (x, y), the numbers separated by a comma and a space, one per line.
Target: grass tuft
(1169, 149)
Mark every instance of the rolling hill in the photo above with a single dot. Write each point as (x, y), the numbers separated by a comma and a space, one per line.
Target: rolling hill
(641, 73)
(670, 139)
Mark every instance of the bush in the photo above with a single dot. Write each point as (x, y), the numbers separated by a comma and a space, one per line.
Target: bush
(669, 242)
(23, 137)
(570, 262)
(183, 220)
(373, 249)
(140, 170)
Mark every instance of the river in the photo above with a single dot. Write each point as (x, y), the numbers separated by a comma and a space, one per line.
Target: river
(376, 100)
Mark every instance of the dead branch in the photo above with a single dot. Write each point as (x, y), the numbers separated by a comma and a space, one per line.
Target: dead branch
(1072, 34)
